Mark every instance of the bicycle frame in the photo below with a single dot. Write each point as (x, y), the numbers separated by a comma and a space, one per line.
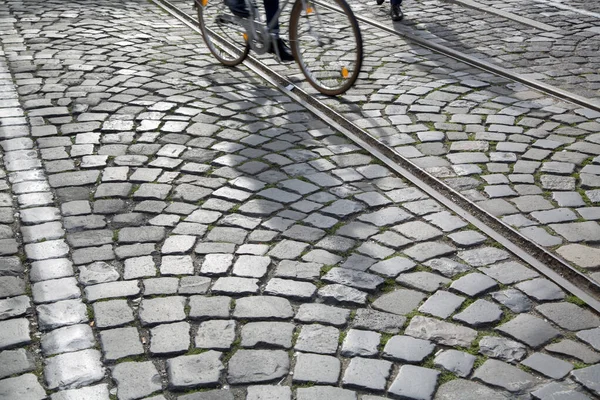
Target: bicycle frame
(261, 36)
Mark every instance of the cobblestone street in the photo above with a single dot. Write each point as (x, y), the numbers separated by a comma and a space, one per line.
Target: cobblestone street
(171, 228)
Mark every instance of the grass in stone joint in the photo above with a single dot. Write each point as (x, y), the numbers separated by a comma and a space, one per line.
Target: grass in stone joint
(479, 362)
(525, 368)
(389, 285)
(195, 350)
(579, 365)
(342, 337)
(325, 269)
(138, 358)
(385, 337)
(334, 228)
(507, 315)
(575, 300)
(445, 377)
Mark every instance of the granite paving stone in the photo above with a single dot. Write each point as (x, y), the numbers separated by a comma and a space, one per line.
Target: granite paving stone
(360, 343)
(474, 284)
(357, 279)
(170, 338)
(447, 266)
(401, 301)
(455, 361)
(233, 285)
(425, 281)
(440, 331)
(67, 339)
(191, 371)
(202, 307)
(547, 365)
(73, 370)
(365, 373)
(316, 368)
(590, 336)
(530, 330)
(509, 272)
(340, 294)
(559, 390)
(506, 376)
(15, 362)
(14, 332)
(569, 316)
(22, 387)
(267, 334)
(136, 379)
(468, 390)
(268, 392)
(121, 342)
(318, 339)
(325, 393)
(414, 382)
(441, 304)
(481, 312)
(502, 348)
(541, 289)
(513, 299)
(159, 310)
(378, 321)
(407, 349)
(112, 313)
(310, 313)
(61, 313)
(588, 377)
(257, 366)
(574, 349)
(262, 308)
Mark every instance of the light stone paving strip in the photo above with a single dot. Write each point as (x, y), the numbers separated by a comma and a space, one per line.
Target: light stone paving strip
(69, 360)
(206, 291)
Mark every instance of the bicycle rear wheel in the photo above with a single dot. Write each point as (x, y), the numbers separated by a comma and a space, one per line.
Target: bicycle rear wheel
(225, 39)
(327, 44)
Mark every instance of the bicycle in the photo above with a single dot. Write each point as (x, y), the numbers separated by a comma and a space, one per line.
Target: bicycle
(323, 34)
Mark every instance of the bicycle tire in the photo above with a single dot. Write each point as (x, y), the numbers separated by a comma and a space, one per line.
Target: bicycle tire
(332, 65)
(226, 40)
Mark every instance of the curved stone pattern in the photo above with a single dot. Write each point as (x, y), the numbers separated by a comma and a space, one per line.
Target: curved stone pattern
(187, 232)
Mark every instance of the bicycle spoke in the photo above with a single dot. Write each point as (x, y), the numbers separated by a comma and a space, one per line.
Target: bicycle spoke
(328, 46)
(225, 39)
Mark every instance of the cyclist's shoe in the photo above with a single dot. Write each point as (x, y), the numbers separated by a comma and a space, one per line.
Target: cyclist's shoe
(396, 12)
(379, 2)
(238, 8)
(285, 53)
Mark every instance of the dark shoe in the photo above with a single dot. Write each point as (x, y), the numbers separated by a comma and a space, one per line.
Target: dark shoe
(238, 8)
(379, 2)
(396, 13)
(285, 53)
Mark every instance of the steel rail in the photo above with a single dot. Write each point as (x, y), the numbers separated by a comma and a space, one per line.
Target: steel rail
(484, 65)
(546, 263)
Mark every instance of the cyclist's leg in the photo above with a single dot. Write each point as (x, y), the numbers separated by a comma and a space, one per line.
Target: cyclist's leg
(284, 52)
(396, 11)
(238, 8)
(271, 7)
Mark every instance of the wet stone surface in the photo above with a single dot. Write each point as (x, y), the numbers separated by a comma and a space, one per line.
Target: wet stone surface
(174, 229)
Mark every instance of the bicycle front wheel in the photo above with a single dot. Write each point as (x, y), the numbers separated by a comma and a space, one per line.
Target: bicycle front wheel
(225, 39)
(327, 44)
